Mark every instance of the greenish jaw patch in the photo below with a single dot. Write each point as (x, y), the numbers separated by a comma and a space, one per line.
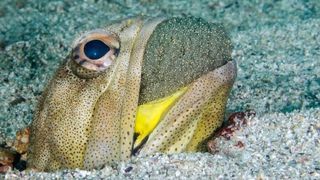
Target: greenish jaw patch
(179, 51)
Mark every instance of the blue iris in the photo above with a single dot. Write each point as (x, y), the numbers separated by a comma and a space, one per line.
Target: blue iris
(95, 49)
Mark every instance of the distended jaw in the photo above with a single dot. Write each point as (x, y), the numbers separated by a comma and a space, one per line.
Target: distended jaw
(191, 119)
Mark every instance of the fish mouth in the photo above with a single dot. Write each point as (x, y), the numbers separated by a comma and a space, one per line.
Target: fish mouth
(150, 114)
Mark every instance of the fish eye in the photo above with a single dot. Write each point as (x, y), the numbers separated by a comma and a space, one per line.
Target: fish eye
(96, 50)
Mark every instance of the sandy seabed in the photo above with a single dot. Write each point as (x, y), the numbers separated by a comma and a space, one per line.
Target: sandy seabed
(276, 46)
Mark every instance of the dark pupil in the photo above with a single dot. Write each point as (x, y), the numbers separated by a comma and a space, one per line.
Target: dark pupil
(95, 49)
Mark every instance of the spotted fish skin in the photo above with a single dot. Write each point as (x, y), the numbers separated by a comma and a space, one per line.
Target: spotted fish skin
(188, 124)
(87, 113)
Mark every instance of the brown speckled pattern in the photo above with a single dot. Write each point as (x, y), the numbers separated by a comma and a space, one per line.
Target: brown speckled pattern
(104, 145)
(70, 125)
(195, 116)
(113, 124)
(128, 115)
(61, 126)
(86, 119)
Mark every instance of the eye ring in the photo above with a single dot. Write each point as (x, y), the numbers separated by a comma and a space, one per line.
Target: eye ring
(96, 50)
